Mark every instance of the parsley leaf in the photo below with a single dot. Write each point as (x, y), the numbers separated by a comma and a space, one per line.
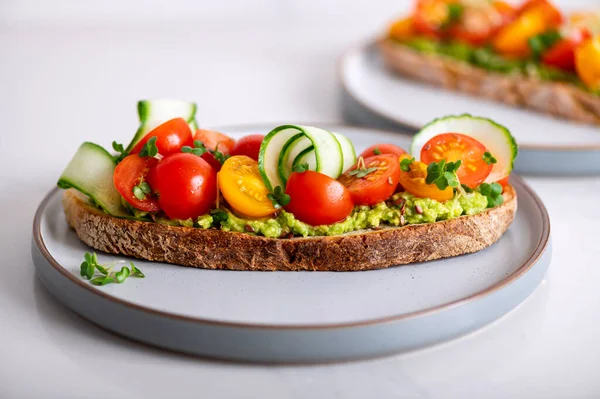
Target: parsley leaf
(489, 158)
(376, 151)
(150, 149)
(405, 164)
(278, 197)
(107, 276)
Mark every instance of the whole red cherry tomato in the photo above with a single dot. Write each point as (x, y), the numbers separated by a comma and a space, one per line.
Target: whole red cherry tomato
(186, 185)
(317, 199)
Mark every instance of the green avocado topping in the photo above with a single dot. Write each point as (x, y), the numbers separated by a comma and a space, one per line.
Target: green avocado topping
(486, 58)
(401, 209)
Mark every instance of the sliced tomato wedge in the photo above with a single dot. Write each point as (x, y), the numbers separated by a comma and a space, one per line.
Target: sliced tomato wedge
(379, 149)
(215, 141)
(373, 179)
(429, 16)
(248, 146)
(243, 188)
(130, 172)
(452, 147)
(170, 137)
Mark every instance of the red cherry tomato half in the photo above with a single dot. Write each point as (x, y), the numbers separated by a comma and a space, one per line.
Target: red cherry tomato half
(317, 199)
(215, 140)
(376, 186)
(170, 137)
(562, 54)
(455, 146)
(185, 184)
(248, 146)
(379, 149)
(129, 173)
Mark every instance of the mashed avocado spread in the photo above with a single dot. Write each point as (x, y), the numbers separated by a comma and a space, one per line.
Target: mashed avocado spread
(390, 213)
(486, 58)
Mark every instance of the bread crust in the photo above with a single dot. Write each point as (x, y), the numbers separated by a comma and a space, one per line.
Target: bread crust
(216, 249)
(554, 98)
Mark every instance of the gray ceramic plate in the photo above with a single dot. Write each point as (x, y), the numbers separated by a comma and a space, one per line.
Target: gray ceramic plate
(373, 96)
(301, 316)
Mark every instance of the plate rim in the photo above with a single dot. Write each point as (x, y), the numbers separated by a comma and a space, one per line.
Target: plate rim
(360, 48)
(533, 259)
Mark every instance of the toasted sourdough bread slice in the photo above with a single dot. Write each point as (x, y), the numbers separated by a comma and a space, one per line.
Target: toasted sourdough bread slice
(216, 249)
(554, 98)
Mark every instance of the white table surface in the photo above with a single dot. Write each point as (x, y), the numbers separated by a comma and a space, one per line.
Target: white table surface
(62, 83)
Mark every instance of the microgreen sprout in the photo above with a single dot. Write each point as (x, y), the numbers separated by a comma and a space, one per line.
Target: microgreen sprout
(90, 266)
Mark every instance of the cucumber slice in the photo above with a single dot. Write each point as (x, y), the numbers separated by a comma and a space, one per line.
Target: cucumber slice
(348, 151)
(289, 152)
(306, 156)
(327, 150)
(91, 172)
(163, 110)
(348, 154)
(495, 137)
(155, 112)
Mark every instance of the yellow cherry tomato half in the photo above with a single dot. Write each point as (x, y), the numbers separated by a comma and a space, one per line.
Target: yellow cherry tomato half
(402, 29)
(587, 62)
(512, 39)
(413, 181)
(243, 188)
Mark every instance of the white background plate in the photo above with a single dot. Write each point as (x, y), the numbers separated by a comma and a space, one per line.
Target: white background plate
(381, 96)
(309, 300)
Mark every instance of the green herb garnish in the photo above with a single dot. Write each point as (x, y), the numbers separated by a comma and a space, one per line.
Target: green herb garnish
(466, 188)
(198, 149)
(121, 151)
(493, 192)
(443, 174)
(405, 164)
(541, 43)
(360, 173)
(278, 197)
(455, 11)
(141, 190)
(90, 266)
(219, 156)
(219, 216)
(361, 169)
(489, 158)
(303, 167)
(150, 149)
(376, 151)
